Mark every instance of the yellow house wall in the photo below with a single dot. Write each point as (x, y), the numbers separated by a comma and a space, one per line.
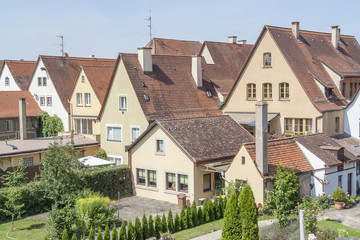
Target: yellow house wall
(134, 115)
(329, 124)
(247, 172)
(298, 105)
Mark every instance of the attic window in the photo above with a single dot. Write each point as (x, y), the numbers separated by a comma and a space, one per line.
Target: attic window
(209, 94)
(328, 92)
(146, 97)
(82, 79)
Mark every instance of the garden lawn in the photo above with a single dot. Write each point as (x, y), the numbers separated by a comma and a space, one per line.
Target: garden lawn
(333, 225)
(24, 229)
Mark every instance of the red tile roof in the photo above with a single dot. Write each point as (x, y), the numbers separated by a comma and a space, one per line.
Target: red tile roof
(285, 152)
(9, 102)
(163, 46)
(22, 72)
(64, 70)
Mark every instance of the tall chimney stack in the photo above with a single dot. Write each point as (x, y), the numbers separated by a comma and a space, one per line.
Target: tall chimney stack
(22, 118)
(145, 59)
(335, 36)
(295, 29)
(232, 39)
(196, 70)
(261, 142)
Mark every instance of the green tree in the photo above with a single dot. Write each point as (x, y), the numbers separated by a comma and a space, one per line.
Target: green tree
(107, 233)
(131, 234)
(158, 226)
(217, 210)
(74, 237)
(183, 219)
(177, 226)
(114, 234)
(211, 210)
(49, 126)
(248, 214)
(99, 235)
(164, 228)
(101, 154)
(13, 205)
(200, 216)
(286, 193)
(206, 215)
(91, 234)
(122, 234)
(151, 226)
(65, 235)
(194, 215)
(224, 205)
(138, 229)
(190, 223)
(16, 177)
(221, 207)
(145, 227)
(232, 222)
(170, 222)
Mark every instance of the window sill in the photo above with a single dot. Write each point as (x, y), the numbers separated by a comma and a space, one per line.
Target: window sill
(87, 105)
(112, 140)
(267, 67)
(122, 110)
(251, 99)
(284, 99)
(267, 99)
(79, 105)
(160, 153)
(147, 188)
(208, 190)
(175, 192)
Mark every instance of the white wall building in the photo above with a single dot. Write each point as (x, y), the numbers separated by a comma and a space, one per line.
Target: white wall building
(352, 117)
(7, 81)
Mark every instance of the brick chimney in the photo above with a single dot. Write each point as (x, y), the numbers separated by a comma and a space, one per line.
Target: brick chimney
(196, 70)
(22, 118)
(335, 35)
(295, 29)
(261, 141)
(145, 60)
(232, 39)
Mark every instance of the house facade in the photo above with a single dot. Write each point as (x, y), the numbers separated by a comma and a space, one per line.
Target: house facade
(352, 116)
(15, 75)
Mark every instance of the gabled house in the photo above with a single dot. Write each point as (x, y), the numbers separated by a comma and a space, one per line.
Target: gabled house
(352, 116)
(87, 97)
(52, 81)
(15, 75)
(164, 46)
(146, 87)
(179, 156)
(290, 69)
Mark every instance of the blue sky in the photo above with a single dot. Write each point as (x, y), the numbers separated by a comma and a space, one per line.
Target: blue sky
(104, 28)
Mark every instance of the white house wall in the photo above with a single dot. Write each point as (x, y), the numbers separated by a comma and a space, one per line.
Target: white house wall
(6, 73)
(334, 76)
(332, 176)
(57, 107)
(352, 118)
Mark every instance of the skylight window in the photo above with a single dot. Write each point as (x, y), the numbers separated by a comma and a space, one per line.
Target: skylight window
(146, 97)
(209, 94)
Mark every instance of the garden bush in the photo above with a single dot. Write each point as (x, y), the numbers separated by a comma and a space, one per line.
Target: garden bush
(177, 226)
(65, 235)
(324, 201)
(131, 233)
(99, 235)
(164, 227)
(114, 234)
(211, 210)
(151, 226)
(194, 215)
(107, 233)
(183, 219)
(91, 234)
(188, 217)
(122, 234)
(170, 222)
(248, 214)
(158, 226)
(206, 216)
(145, 227)
(138, 229)
(326, 234)
(311, 211)
(200, 216)
(232, 222)
(339, 195)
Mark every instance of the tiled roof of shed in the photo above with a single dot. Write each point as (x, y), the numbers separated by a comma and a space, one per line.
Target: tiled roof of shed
(163, 46)
(9, 102)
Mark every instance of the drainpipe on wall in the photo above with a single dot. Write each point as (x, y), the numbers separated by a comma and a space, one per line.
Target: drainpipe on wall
(222, 173)
(322, 181)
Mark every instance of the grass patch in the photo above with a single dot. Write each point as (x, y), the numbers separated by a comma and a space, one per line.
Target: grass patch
(333, 225)
(24, 229)
(199, 230)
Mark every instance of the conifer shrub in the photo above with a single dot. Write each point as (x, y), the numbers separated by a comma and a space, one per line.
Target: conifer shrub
(74, 237)
(183, 219)
(99, 235)
(131, 232)
(177, 226)
(232, 222)
(194, 215)
(221, 207)
(164, 228)
(151, 226)
(217, 209)
(114, 234)
(206, 216)
(188, 217)
(107, 233)
(65, 235)
(158, 226)
(224, 205)
(137, 226)
(91, 234)
(200, 216)
(211, 210)
(145, 227)
(248, 214)
(170, 222)
(122, 234)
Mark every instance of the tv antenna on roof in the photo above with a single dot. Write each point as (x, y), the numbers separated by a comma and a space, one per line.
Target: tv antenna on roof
(149, 25)
(61, 44)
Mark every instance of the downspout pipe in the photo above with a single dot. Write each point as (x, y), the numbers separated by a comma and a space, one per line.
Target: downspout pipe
(222, 173)
(322, 181)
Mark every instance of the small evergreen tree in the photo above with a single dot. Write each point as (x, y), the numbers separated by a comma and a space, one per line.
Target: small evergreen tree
(188, 217)
(183, 220)
(211, 210)
(164, 228)
(65, 235)
(200, 216)
(194, 215)
(91, 234)
(248, 215)
(221, 207)
(138, 229)
(99, 235)
(74, 237)
(145, 227)
(206, 216)
(107, 233)
(232, 221)
(122, 234)
(217, 209)
(131, 234)
(224, 205)
(177, 226)
(151, 226)
(46, 237)
(114, 234)
(170, 222)
(158, 226)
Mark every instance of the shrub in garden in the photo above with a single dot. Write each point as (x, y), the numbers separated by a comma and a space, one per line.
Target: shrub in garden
(122, 234)
(107, 233)
(206, 216)
(326, 234)
(131, 234)
(145, 227)
(177, 226)
(114, 234)
(248, 214)
(170, 222)
(200, 216)
(269, 203)
(221, 207)
(65, 235)
(324, 201)
(138, 229)
(188, 217)
(217, 209)
(211, 210)
(311, 211)
(164, 228)
(232, 222)
(158, 226)
(74, 237)
(224, 205)
(91, 234)
(101, 154)
(99, 235)
(183, 219)
(194, 216)
(339, 195)
(151, 228)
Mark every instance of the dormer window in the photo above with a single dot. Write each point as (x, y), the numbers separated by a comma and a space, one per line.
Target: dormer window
(328, 92)
(7, 82)
(209, 94)
(267, 59)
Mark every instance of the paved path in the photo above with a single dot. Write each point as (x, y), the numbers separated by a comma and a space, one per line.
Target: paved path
(349, 217)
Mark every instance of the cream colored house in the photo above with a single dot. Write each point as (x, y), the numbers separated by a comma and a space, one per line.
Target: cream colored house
(184, 156)
(87, 97)
(294, 72)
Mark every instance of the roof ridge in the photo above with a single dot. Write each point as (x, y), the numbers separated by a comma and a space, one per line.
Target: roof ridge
(180, 40)
(235, 44)
(307, 31)
(189, 118)
(87, 58)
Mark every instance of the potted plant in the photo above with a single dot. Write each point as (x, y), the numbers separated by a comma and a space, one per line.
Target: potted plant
(339, 198)
(357, 200)
(352, 199)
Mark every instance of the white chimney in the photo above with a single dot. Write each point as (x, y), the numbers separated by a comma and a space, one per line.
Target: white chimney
(295, 29)
(196, 70)
(335, 36)
(91, 56)
(22, 118)
(232, 39)
(261, 142)
(242, 42)
(145, 60)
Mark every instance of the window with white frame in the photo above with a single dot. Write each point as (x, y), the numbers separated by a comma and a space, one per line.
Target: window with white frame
(42, 101)
(29, 161)
(177, 182)
(39, 81)
(146, 177)
(159, 146)
(83, 126)
(7, 82)
(115, 159)
(9, 125)
(114, 133)
(135, 133)
(79, 99)
(44, 82)
(140, 176)
(122, 102)
(87, 99)
(151, 176)
(171, 181)
(49, 101)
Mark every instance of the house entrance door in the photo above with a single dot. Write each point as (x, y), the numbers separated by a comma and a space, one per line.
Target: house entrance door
(349, 183)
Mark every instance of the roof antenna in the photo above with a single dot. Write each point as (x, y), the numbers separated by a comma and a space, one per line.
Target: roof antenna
(149, 25)
(61, 44)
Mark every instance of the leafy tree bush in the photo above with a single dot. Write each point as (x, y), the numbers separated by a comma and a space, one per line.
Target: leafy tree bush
(145, 227)
(170, 222)
(107, 233)
(286, 193)
(138, 229)
(164, 228)
(269, 203)
(248, 214)
(151, 226)
(49, 126)
(99, 235)
(232, 222)
(324, 201)
(114, 234)
(339, 195)
(194, 215)
(206, 215)
(16, 177)
(122, 234)
(177, 226)
(91, 234)
(131, 234)
(183, 219)
(200, 216)
(65, 235)
(101, 154)
(190, 223)
(13, 205)
(311, 211)
(158, 226)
